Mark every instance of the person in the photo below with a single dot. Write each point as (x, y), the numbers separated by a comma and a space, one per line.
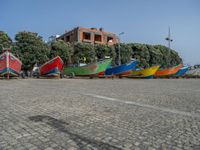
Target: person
(22, 74)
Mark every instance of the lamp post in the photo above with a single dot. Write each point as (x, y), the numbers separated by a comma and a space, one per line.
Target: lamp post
(119, 57)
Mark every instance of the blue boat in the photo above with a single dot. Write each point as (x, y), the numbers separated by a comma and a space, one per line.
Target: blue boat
(182, 71)
(121, 70)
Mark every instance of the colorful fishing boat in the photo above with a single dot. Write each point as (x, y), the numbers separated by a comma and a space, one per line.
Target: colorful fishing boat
(88, 70)
(193, 72)
(102, 73)
(182, 71)
(51, 68)
(168, 72)
(122, 70)
(10, 66)
(144, 73)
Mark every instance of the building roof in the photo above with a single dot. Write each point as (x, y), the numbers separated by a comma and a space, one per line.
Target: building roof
(88, 29)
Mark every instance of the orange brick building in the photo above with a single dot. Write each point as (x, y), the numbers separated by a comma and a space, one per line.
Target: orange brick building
(89, 35)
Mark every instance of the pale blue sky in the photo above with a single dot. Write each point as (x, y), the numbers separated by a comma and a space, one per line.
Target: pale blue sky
(143, 21)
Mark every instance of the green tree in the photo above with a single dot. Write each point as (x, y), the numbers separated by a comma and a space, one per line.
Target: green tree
(62, 49)
(175, 58)
(155, 56)
(169, 57)
(31, 49)
(150, 55)
(5, 40)
(125, 53)
(141, 53)
(103, 50)
(84, 52)
(165, 55)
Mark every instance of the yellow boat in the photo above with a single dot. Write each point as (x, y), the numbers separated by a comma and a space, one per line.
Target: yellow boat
(144, 73)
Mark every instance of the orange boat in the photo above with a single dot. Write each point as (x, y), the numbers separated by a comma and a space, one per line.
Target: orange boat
(168, 71)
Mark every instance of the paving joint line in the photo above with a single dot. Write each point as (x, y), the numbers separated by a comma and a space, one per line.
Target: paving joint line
(158, 108)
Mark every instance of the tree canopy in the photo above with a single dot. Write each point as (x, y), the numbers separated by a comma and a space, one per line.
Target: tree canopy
(62, 49)
(105, 50)
(5, 40)
(84, 53)
(31, 49)
(125, 53)
(150, 55)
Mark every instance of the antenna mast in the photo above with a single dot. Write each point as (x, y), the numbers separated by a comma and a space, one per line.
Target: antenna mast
(169, 38)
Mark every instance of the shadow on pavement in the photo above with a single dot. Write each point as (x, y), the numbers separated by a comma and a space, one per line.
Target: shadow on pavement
(80, 141)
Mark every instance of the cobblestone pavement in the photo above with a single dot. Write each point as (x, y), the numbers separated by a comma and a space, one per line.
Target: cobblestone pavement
(99, 114)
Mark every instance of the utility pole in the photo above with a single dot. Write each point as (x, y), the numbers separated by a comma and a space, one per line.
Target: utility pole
(169, 38)
(119, 55)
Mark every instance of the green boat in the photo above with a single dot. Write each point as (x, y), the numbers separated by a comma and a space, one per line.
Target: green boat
(88, 70)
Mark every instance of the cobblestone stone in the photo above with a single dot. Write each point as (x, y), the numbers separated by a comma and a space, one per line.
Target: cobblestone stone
(99, 114)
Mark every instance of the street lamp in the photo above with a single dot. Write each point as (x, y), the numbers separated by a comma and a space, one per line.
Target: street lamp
(119, 57)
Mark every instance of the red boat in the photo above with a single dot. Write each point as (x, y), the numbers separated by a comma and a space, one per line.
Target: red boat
(51, 68)
(10, 66)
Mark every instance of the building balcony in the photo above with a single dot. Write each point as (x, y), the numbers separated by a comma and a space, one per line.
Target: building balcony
(87, 41)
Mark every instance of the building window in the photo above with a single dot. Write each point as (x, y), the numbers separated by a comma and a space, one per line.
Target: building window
(97, 38)
(86, 36)
(68, 38)
(109, 39)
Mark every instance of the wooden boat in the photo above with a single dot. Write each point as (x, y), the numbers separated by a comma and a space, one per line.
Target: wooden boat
(168, 72)
(144, 73)
(88, 70)
(182, 71)
(193, 72)
(10, 66)
(122, 70)
(51, 68)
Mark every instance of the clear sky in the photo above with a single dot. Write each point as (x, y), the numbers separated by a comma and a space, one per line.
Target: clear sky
(143, 21)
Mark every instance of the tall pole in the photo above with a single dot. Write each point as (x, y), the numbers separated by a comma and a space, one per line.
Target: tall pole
(119, 53)
(169, 38)
(119, 57)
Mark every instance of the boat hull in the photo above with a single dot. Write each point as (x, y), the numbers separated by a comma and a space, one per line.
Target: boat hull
(168, 72)
(147, 73)
(51, 68)
(122, 70)
(182, 71)
(10, 65)
(88, 70)
(193, 73)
